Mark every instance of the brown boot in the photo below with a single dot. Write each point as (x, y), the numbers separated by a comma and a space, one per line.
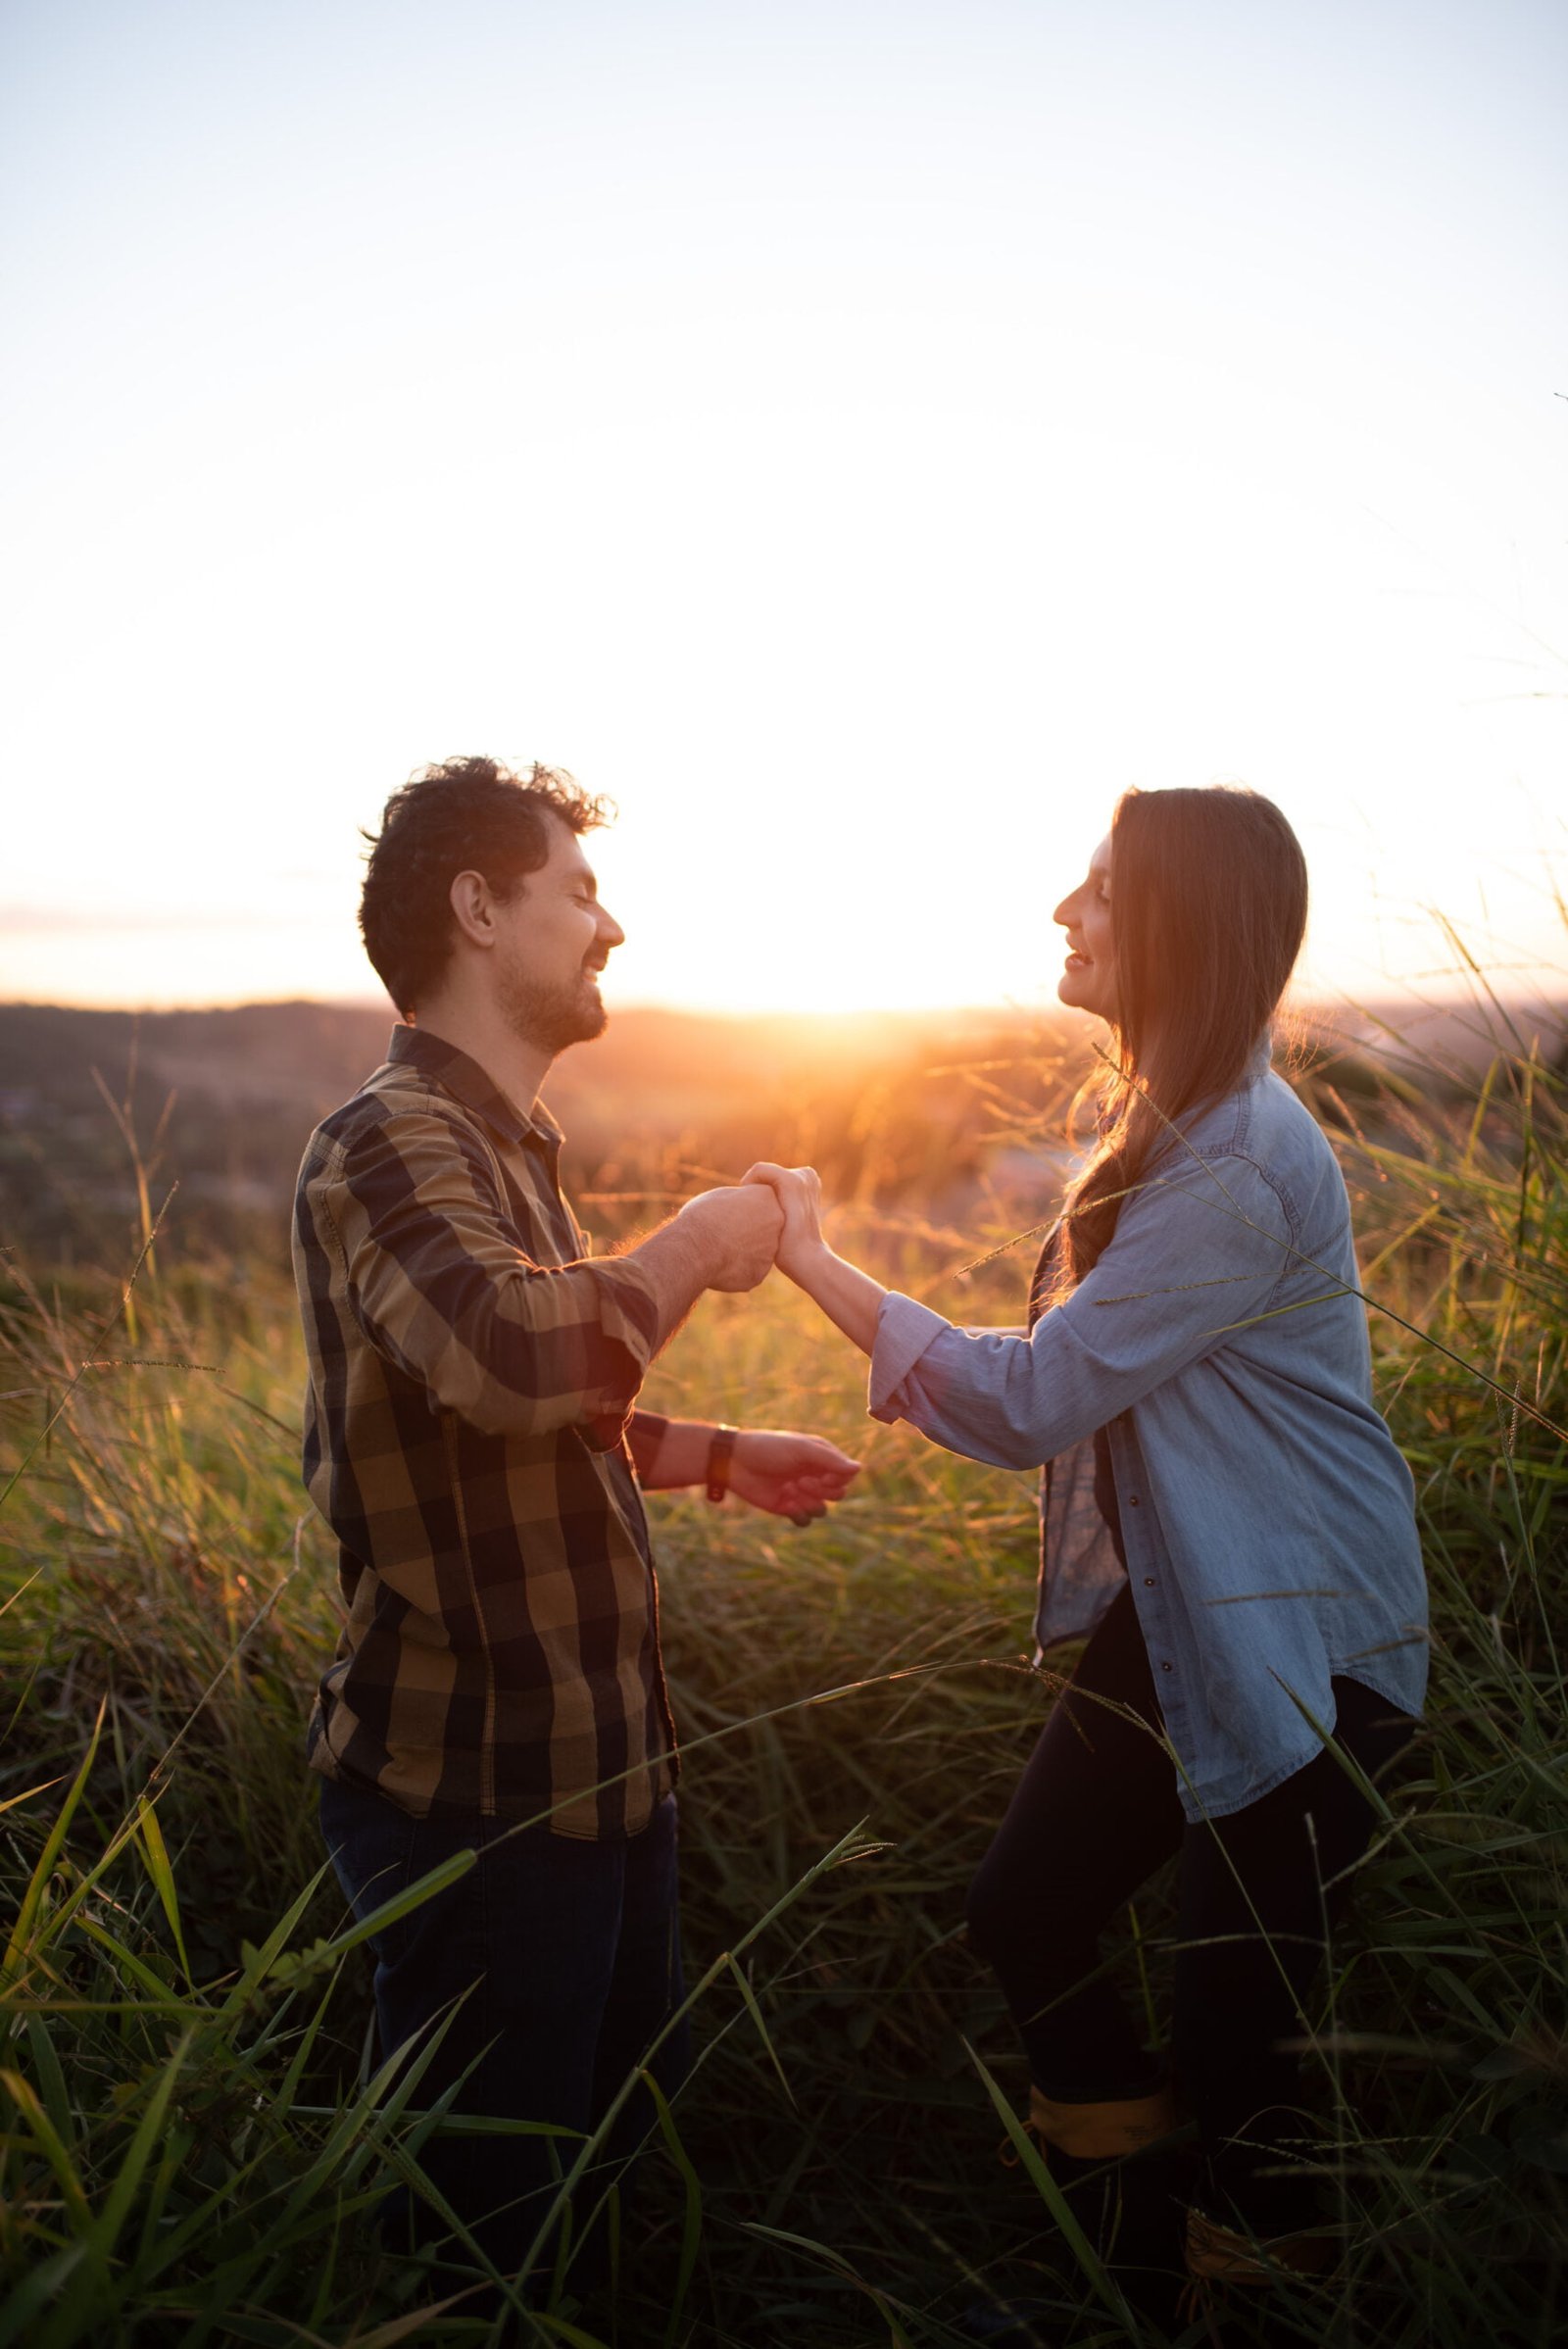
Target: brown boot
(1126, 2190)
(1217, 2254)
(1221, 2259)
(1123, 2185)
(1105, 2132)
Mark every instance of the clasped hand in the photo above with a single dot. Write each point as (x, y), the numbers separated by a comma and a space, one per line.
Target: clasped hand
(740, 1231)
(775, 1215)
(799, 1193)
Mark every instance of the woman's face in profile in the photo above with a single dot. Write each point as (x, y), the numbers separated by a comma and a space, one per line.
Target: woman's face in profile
(1088, 980)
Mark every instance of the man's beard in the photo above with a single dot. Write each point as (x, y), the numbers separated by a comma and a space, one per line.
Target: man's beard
(548, 1018)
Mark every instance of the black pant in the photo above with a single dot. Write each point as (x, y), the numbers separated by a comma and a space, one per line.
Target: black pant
(1094, 1813)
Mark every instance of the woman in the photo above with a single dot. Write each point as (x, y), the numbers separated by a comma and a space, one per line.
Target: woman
(1223, 1512)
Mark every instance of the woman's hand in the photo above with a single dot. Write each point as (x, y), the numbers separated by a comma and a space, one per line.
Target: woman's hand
(846, 1296)
(799, 1191)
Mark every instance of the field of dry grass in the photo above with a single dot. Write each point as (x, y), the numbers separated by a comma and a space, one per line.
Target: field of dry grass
(189, 2143)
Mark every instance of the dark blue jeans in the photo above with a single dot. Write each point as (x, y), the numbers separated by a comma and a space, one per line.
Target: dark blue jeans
(568, 1952)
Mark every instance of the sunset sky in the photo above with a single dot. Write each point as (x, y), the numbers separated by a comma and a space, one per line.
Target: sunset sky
(860, 438)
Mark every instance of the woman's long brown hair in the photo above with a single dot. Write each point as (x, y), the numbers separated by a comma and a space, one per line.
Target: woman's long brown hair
(1208, 898)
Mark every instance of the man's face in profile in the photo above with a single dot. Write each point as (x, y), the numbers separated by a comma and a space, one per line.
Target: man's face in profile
(557, 940)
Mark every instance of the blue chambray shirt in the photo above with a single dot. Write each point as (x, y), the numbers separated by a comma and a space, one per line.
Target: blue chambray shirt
(1266, 1515)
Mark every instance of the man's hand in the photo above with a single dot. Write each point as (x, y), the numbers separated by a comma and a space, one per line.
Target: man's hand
(799, 1193)
(736, 1233)
(792, 1475)
(799, 1476)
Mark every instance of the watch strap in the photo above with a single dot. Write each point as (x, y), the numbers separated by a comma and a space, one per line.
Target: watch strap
(721, 1453)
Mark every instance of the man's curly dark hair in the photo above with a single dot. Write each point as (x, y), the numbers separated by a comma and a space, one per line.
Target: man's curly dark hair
(464, 815)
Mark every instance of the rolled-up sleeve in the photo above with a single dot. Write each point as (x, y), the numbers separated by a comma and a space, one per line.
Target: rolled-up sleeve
(905, 1328)
(1196, 1257)
(443, 1290)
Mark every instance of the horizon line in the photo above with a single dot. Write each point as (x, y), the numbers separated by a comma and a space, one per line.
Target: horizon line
(1444, 989)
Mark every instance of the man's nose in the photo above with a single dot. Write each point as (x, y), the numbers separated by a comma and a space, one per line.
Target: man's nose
(610, 930)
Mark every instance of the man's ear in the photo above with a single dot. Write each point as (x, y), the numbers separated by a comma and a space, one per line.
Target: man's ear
(473, 909)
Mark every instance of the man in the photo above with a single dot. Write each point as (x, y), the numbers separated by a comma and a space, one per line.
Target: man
(472, 1439)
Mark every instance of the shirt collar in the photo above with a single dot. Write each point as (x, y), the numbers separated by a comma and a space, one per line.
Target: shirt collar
(467, 1082)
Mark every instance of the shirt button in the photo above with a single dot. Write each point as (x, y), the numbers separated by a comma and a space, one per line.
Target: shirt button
(1148, 1582)
(1132, 1500)
(1165, 1668)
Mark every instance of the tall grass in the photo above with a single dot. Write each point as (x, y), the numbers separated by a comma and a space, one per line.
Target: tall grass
(193, 2138)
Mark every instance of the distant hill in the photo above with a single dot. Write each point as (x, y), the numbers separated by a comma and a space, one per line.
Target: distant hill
(303, 1053)
(909, 1109)
(224, 1101)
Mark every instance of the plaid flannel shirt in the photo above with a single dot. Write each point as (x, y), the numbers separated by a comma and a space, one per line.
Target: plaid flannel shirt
(472, 1379)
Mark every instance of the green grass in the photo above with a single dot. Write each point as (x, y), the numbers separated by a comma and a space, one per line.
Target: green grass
(190, 2142)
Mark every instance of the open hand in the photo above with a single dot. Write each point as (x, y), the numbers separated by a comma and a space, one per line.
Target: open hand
(799, 1191)
(799, 1476)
